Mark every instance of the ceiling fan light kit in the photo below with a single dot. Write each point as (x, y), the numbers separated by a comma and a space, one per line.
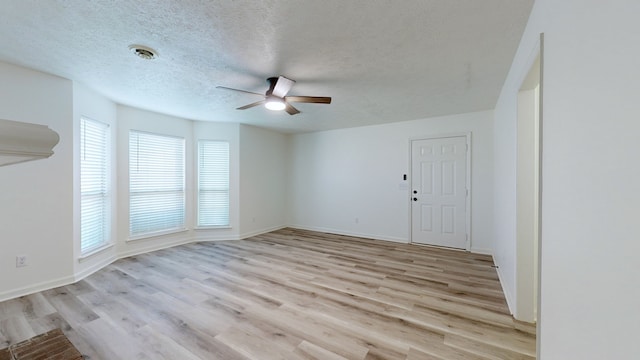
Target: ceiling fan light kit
(275, 104)
(275, 98)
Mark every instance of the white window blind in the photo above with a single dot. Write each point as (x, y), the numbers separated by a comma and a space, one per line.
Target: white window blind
(213, 183)
(94, 185)
(156, 183)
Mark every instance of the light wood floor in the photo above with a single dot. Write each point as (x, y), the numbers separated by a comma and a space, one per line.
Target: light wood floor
(289, 294)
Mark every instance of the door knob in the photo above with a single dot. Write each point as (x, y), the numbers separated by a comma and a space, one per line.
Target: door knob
(415, 191)
(415, 199)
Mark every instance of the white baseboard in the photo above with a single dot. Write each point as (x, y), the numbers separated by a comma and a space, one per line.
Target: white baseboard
(350, 233)
(202, 236)
(261, 231)
(93, 268)
(45, 285)
(154, 247)
(507, 295)
(482, 251)
(208, 237)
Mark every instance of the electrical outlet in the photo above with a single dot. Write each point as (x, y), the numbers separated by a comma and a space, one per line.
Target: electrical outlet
(21, 260)
(357, 220)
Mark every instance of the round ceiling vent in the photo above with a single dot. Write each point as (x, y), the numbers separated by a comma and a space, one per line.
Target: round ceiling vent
(143, 52)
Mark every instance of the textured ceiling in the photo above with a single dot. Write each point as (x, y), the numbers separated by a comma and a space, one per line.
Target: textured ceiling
(381, 60)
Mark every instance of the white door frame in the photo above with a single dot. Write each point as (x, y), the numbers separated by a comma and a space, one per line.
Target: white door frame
(467, 136)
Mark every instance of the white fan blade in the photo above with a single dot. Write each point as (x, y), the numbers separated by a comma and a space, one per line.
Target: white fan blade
(282, 86)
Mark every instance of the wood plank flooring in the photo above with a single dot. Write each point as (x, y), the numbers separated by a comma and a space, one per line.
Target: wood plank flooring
(288, 294)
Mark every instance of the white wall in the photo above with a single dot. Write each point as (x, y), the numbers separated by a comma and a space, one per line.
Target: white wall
(340, 175)
(88, 103)
(36, 197)
(40, 202)
(263, 180)
(505, 157)
(257, 177)
(590, 287)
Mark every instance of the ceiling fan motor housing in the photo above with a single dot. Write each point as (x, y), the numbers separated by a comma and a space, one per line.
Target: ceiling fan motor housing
(272, 84)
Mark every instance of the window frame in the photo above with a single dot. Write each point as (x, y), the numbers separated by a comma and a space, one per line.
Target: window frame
(199, 180)
(106, 191)
(180, 173)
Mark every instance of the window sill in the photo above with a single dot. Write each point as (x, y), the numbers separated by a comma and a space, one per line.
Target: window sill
(95, 251)
(156, 234)
(212, 227)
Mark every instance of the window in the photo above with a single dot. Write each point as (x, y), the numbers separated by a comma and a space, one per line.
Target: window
(156, 184)
(213, 183)
(95, 189)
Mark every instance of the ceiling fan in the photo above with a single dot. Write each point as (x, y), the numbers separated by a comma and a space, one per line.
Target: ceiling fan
(276, 96)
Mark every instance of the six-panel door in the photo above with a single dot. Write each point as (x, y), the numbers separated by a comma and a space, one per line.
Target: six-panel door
(439, 192)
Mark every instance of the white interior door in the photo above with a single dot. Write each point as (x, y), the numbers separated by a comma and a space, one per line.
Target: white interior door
(439, 192)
